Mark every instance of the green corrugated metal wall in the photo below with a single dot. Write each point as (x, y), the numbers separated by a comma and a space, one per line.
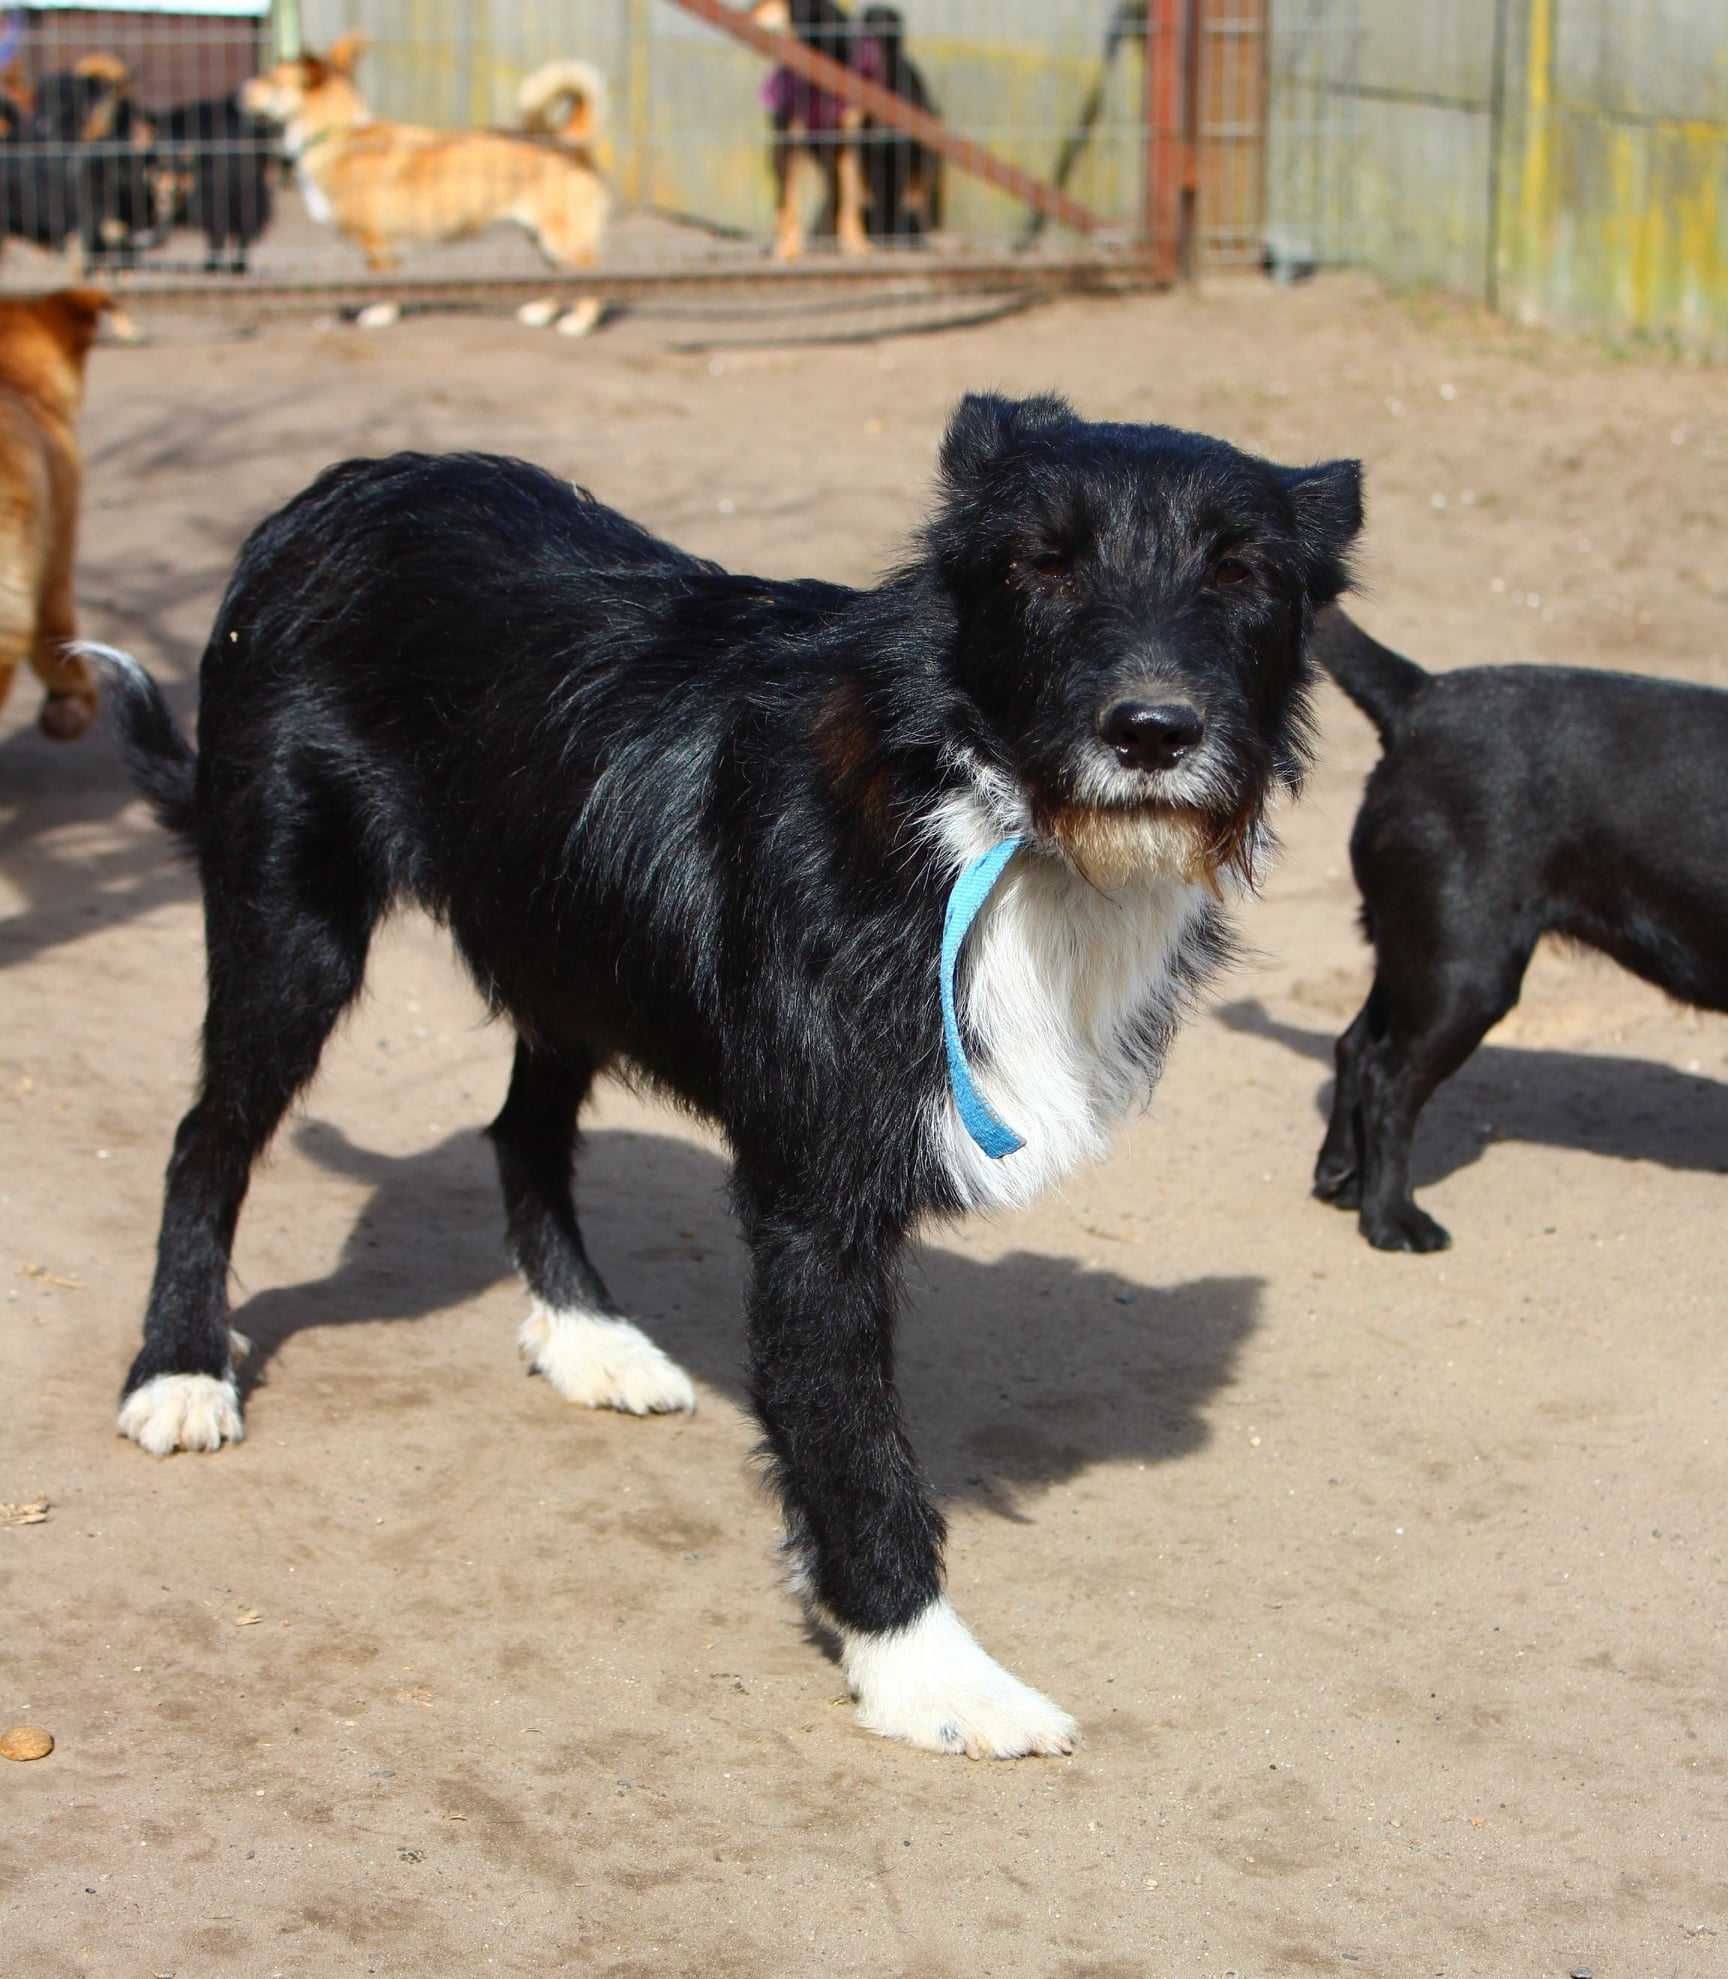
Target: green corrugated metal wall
(1565, 159)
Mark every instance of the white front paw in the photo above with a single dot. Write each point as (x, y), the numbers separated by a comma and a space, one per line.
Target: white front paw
(603, 1362)
(933, 1686)
(182, 1412)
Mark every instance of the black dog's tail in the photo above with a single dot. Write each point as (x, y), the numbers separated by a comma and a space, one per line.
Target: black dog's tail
(162, 762)
(1381, 682)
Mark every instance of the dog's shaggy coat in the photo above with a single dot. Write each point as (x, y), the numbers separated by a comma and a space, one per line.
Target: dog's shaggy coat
(701, 827)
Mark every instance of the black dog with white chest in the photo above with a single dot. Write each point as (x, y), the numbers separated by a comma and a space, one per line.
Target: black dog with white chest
(725, 833)
(1511, 803)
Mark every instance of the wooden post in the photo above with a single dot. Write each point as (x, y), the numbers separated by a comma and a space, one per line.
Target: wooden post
(1171, 103)
(638, 41)
(1188, 226)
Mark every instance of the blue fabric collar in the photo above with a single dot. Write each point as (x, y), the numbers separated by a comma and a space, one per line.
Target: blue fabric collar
(968, 893)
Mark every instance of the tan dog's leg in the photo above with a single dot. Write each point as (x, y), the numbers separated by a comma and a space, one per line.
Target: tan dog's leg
(71, 704)
(10, 655)
(565, 235)
(916, 198)
(581, 317)
(19, 587)
(849, 196)
(788, 232)
(565, 224)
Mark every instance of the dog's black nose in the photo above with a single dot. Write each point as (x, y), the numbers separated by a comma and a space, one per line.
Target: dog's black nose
(1152, 735)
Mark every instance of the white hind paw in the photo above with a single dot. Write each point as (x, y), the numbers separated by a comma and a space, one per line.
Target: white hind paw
(603, 1362)
(932, 1685)
(182, 1412)
(580, 317)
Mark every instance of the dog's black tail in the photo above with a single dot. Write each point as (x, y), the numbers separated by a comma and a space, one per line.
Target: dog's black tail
(1381, 682)
(162, 762)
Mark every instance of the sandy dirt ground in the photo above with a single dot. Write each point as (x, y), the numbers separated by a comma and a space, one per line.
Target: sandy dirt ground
(1389, 1591)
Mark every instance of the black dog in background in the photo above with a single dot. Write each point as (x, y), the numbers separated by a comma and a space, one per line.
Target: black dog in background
(81, 159)
(707, 827)
(76, 165)
(1511, 802)
(806, 119)
(902, 177)
(213, 166)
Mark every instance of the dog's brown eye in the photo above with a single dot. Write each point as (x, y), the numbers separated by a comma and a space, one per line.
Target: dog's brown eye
(1232, 570)
(1049, 567)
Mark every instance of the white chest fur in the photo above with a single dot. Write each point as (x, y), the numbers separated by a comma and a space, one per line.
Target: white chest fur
(1062, 988)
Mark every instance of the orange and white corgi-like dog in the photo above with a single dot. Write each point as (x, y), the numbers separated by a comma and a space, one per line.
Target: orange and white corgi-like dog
(387, 186)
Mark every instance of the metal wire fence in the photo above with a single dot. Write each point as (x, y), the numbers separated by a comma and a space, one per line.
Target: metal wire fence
(420, 147)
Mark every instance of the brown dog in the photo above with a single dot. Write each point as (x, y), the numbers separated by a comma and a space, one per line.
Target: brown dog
(804, 117)
(386, 185)
(43, 344)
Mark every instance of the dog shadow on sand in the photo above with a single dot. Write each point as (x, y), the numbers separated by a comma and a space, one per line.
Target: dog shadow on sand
(1017, 1373)
(76, 843)
(78, 862)
(1633, 1108)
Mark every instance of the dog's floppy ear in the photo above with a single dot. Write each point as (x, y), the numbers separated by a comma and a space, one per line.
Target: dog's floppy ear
(16, 85)
(1327, 503)
(90, 305)
(102, 68)
(72, 316)
(985, 424)
(88, 301)
(345, 51)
